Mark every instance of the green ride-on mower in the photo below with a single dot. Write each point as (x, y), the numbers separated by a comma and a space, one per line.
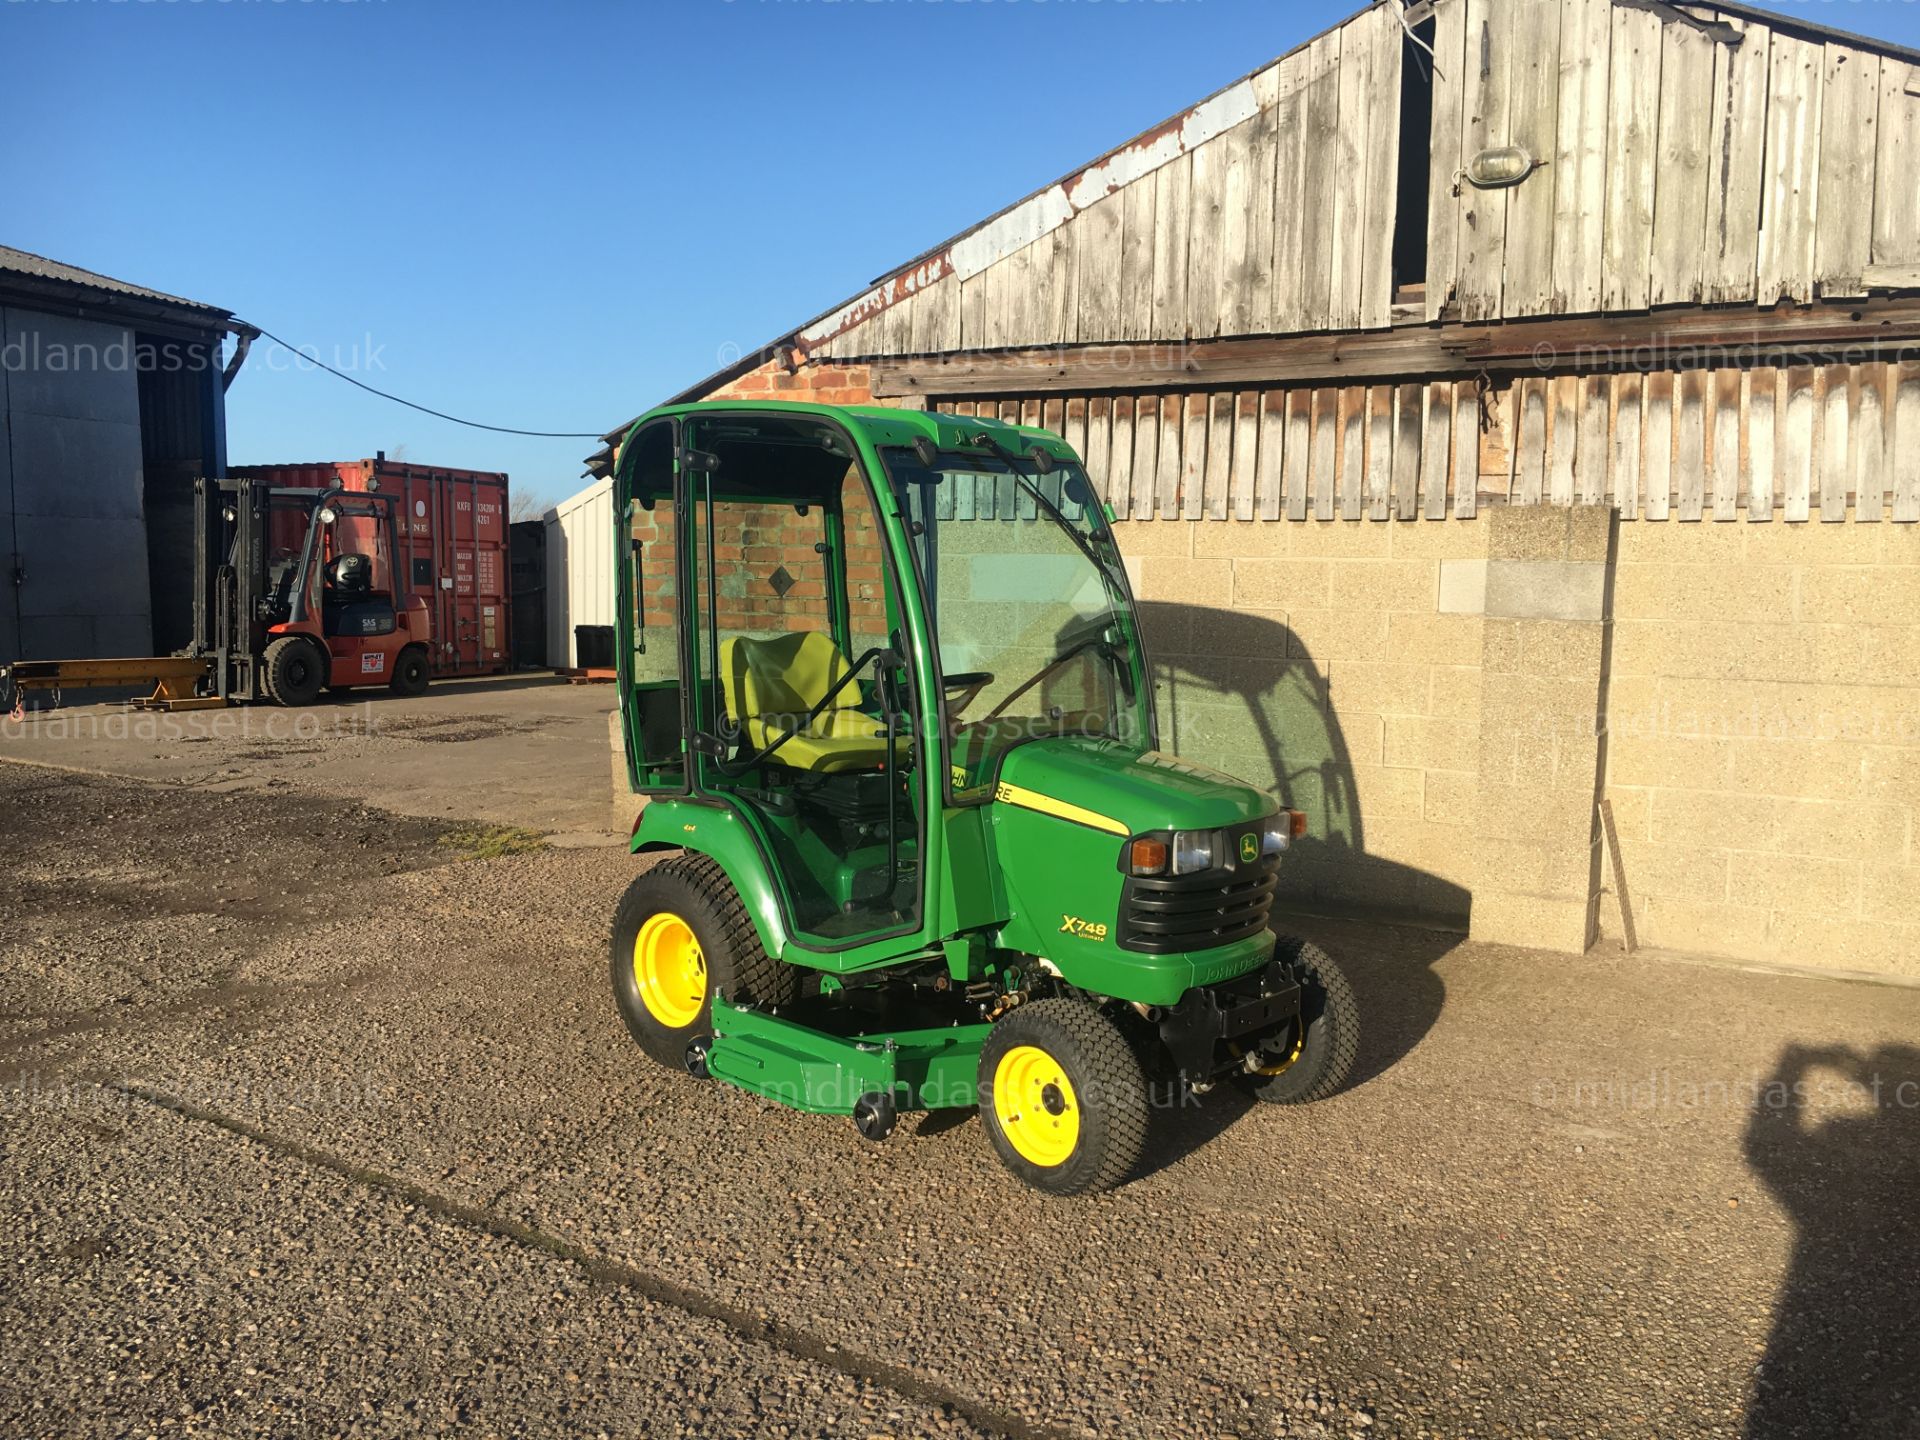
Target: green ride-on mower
(885, 696)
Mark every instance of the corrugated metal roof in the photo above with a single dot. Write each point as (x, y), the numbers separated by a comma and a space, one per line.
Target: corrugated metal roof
(38, 267)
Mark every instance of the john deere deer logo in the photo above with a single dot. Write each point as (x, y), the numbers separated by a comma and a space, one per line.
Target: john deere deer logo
(1249, 848)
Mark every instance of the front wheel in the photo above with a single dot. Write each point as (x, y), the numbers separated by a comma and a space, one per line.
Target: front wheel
(680, 934)
(293, 671)
(409, 673)
(1314, 1058)
(1063, 1097)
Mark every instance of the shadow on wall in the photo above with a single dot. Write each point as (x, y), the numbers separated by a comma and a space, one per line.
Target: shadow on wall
(1239, 692)
(1835, 1136)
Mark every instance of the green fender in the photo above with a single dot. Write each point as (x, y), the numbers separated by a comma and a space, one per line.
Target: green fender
(719, 833)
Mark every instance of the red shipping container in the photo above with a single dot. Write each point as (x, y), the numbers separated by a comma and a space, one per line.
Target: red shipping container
(452, 533)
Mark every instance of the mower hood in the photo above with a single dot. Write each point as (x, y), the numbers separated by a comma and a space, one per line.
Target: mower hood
(1140, 790)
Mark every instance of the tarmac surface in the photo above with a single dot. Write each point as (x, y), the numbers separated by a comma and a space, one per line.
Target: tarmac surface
(310, 1124)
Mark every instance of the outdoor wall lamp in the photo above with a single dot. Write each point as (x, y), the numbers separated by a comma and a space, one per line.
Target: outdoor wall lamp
(1500, 166)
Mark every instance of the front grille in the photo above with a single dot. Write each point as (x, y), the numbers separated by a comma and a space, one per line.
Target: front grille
(1162, 916)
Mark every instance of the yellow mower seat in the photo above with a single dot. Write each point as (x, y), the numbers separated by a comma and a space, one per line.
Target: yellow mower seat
(770, 684)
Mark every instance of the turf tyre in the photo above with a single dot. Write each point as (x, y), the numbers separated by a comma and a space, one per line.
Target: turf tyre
(696, 889)
(1109, 1087)
(1332, 1040)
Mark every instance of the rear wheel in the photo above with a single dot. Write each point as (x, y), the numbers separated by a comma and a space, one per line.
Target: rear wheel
(680, 934)
(293, 671)
(1315, 1057)
(409, 673)
(1063, 1097)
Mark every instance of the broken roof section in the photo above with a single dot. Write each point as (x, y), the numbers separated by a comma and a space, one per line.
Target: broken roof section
(1040, 213)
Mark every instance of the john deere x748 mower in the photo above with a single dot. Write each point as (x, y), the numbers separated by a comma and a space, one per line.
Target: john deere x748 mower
(885, 695)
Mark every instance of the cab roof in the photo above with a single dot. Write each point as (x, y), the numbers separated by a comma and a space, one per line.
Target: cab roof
(881, 425)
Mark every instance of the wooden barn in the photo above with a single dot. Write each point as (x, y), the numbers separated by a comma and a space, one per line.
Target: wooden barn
(1513, 410)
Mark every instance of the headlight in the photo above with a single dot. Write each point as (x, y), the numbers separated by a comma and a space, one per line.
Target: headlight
(1192, 851)
(1282, 830)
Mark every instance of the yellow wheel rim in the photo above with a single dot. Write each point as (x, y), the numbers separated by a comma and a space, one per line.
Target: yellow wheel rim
(1035, 1105)
(670, 970)
(1299, 1044)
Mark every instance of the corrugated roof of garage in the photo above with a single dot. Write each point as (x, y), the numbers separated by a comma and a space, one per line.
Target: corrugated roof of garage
(39, 267)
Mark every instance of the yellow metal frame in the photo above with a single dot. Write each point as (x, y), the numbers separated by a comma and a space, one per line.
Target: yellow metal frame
(177, 679)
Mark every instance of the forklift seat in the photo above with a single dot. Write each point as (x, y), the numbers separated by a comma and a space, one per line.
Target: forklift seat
(770, 684)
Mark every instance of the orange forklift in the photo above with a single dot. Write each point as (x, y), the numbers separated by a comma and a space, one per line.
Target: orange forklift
(294, 593)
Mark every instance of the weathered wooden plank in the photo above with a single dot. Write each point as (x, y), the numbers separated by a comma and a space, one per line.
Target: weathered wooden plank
(1326, 452)
(1896, 200)
(1849, 138)
(1905, 448)
(1172, 187)
(1244, 480)
(1183, 453)
(1153, 441)
(1580, 157)
(1680, 189)
(1099, 437)
(1218, 184)
(1350, 174)
(1466, 449)
(1535, 28)
(1270, 475)
(1073, 424)
(1763, 387)
(1794, 432)
(1353, 451)
(1120, 455)
(1792, 177)
(1627, 456)
(1134, 302)
(1380, 437)
(1690, 443)
(1321, 154)
(1101, 252)
(1246, 235)
(1672, 336)
(1657, 487)
(1298, 451)
(1444, 160)
(1379, 198)
(973, 312)
(1409, 426)
(1735, 149)
(1869, 447)
(1633, 145)
(1590, 469)
(1436, 448)
(1563, 437)
(1530, 442)
(1217, 491)
(1485, 123)
(1836, 414)
(1286, 302)
(1729, 422)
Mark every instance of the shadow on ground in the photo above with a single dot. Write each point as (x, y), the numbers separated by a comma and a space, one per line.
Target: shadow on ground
(1835, 1135)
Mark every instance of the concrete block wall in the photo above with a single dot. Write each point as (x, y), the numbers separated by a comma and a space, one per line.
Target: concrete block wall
(1763, 755)
(1333, 664)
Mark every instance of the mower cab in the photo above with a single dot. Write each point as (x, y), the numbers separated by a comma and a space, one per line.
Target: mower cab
(885, 695)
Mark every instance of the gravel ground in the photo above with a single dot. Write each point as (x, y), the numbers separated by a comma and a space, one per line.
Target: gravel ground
(356, 1144)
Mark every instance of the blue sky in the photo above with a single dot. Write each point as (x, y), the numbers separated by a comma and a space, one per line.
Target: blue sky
(552, 215)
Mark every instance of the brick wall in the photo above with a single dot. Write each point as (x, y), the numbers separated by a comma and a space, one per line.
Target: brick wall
(1764, 745)
(817, 384)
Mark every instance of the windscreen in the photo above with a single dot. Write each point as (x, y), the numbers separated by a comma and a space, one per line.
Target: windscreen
(1028, 605)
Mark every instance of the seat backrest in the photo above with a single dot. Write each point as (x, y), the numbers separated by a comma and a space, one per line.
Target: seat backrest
(784, 676)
